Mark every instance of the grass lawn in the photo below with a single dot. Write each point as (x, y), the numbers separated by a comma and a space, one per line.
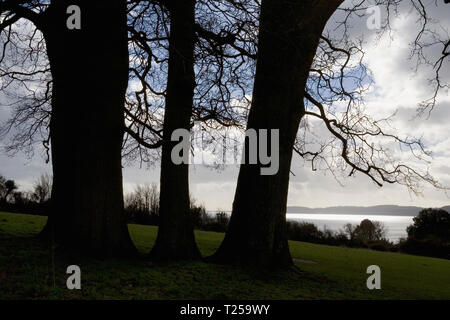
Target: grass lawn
(26, 272)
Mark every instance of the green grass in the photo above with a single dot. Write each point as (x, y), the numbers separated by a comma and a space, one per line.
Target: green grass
(26, 272)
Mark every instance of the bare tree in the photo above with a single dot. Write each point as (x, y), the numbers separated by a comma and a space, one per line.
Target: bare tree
(86, 122)
(42, 188)
(302, 72)
(222, 56)
(7, 188)
(300, 67)
(202, 67)
(142, 205)
(175, 238)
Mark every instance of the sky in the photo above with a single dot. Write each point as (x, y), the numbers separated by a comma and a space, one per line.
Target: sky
(397, 87)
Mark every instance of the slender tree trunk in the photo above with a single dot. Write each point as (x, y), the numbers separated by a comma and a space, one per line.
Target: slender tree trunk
(175, 238)
(290, 31)
(90, 75)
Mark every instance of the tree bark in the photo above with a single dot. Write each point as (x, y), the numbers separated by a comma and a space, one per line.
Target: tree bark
(90, 75)
(175, 240)
(289, 35)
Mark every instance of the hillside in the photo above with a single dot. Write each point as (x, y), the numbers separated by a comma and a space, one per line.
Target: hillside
(327, 272)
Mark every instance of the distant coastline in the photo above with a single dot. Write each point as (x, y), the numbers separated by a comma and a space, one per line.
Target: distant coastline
(389, 210)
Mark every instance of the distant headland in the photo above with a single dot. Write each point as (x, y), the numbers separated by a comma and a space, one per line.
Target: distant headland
(372, 210)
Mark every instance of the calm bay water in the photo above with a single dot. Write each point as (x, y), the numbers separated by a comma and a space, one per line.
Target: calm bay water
(395, 225)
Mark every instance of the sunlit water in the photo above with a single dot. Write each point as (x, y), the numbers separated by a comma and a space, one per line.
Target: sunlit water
(395, 225)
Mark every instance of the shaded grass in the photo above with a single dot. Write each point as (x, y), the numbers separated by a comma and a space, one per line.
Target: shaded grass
(26, 272)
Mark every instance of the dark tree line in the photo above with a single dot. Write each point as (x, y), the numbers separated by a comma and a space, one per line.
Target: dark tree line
(36, 201)
(190, 59)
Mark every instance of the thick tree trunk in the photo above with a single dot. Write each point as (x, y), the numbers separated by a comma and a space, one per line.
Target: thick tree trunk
(175, 240)
(90, 75)
(289, 35)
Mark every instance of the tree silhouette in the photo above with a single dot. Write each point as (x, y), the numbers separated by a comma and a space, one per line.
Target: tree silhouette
(430, 223)
(175, 238)
(7, 188)
(42, 189)
(147, 24)
(86, 122)
(301, 72)
(201, 76)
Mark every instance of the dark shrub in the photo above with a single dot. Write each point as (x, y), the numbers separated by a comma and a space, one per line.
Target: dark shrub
(429, 235)
(428, 247)
(369, 231)
(432, 247)
(218, 223)
(198, 215)
(434, 223)
(381, 245)
(303, 231)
